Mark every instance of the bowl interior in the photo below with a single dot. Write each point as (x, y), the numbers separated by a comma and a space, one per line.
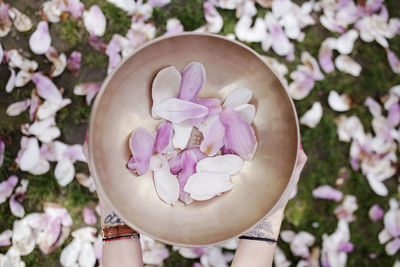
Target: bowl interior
(124, 103)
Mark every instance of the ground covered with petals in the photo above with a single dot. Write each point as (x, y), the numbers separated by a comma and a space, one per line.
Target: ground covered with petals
(340, 60)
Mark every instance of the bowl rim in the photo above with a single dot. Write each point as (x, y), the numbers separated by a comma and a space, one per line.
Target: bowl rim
(95, 105)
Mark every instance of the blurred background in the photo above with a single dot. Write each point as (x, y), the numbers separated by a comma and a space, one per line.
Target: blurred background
(339, 59)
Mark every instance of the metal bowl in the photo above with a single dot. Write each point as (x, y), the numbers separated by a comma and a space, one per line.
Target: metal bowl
(124, 103)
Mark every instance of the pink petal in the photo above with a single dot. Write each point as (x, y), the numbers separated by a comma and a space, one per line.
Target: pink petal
(18, 107)
(166, 184)
(75, 152)
(175, 164)
(165, 86)
(95, 21)
(393, 118)
(280, 44)
(391, 220)
(11, 81)
(189, 161)
(373, 106)
(50, 235)
(299, 89)
(239, 135)
(2, 149)
(213, 137)
(394, 61)
(15, 205)
(46, 88)
(141, 144)
(7, 187)
(76, 8)
(345, 247)
(97, 44)
(325, 57)
(213, 105)
(56, 211)
(40, 40)
(131, 164)
(5, 237)
(375, 213)
(74, 62)
(5, 20)
(193, 80)
(392, 247)
(163, 138)
(88, 216)
(327, 192)
(174, 26)
(35, 101)
(177, 110)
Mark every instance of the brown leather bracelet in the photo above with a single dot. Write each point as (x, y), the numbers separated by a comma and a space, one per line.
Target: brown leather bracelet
(117, 231)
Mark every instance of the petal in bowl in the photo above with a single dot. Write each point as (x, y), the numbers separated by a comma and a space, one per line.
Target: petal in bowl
(166, 184)
(193, 80)
(164, 135)
(141, 144)
(206, 185)
(230, 164)
(178, 110)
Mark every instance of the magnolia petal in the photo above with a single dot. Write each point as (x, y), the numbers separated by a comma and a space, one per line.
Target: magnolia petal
(50, 235)
(238, 97)
(391, 219)
(392, 247)
(345, 43)
(159, 3)
(49, 108)
(11, 81)
(86, 181)
(393, 60)
(74, 62)
(18, 107)
(377, 186)
(23, 239)
(126, 5)
(174, 26)
(175, 164)
(346, 64)
(2, 150)
(35, 101)
(40, 40)
(239, 135)
(327, 192)
(213, 137)
(76, 8)
(41, 167)
(312, 117)
(325, 55)
(95, 21)
(7, 187)
(299, 89)
(214, 20)
(59, 62)
(141, 144)
(5, 237)
(205, 185)
(178, 110)
(30, 155)
(21, 21)
(373, 106)
(247, 112)
(16, 60)
(88, 216)
(338, 102)
(166, 184)
(64, 172)
(87, 256)
(245, 31)
(16, 208)
(230, 164)
(375, 213)
(193, 80)
(189, 161)
(163, 138)
(213, 105)
(165, 86)
(280, 43)
(46, 88)
(57, 211)
(69, 255)
(182, 135)
(5, 21)
(22, 78)
(311, 66)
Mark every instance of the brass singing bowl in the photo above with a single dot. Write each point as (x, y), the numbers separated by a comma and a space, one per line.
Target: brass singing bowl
(124, 103)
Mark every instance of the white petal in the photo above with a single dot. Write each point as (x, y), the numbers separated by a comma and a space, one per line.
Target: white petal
(245, 32)
(18, 107)
(85, 234)
(205, 185)
(339, 102)
(378, 187)
(347, 64)
(21, 21)
(177, 110)
(49, 108)
(312, 116)
(11, 81)
(95, 21)
(64, 172)
(40, 168)
(16, 60)
(69, 255)
(247, 112)
(40, 40)
(238, 97)
(165, 86)
(182, 134)
(126, 5)
(345, 43)
(87, 257)
(229, 163)
(22, 78)
(5, 237)
(30, 156)
(59, 62)
(166, 184)
(23, 239)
